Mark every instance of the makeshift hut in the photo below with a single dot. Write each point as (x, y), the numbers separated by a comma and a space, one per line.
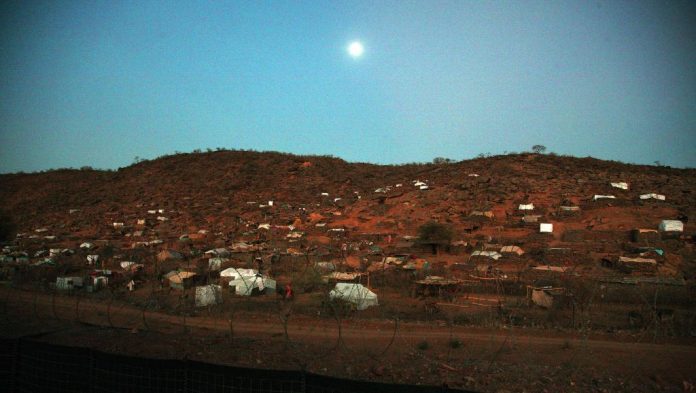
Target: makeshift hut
(546, 297)
(486, 254)
(438, 286)
(234, 273)
(545, 228)
(208, 295)
(69, 283)
(218, 252)
(169, 255)
(638, 264)
(214, 264)
(180, 280)
(671, 226)
(621, 185)
(248, 285)
(652, 195)
(512, 250)
(598, 197)
(645, 235)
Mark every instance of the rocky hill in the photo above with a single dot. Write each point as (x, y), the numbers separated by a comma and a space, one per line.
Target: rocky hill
(199, 189)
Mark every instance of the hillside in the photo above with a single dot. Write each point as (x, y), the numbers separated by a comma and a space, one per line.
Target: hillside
(219, 184)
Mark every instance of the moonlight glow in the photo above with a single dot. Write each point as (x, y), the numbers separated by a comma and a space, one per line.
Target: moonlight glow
(356, 49)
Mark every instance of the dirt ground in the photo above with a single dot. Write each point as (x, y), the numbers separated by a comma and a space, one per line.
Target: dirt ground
(489, 360)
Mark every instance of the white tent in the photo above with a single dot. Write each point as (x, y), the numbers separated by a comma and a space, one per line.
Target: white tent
(237, 273)
(621, 185)
(671, 226)
(596, 197)
(354, 293)
(529, 206)
(546, 228)
(127, 264)
(245, 285)
(490, 254)
(652, 195)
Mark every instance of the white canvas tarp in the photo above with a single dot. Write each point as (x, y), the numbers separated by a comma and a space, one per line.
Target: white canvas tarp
(490, 254)
(219, 252)
(648, 261)
(671, 226)
(529, 206)
(127, 264)
(244, 286)
(546, 228)
(597, 197)
(652, 195)
(214, 264)
(237, 273)
(354, 293)
(208, 295)
(621, 185)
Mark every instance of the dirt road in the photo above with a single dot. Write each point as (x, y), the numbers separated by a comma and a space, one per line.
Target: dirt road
(409, 352)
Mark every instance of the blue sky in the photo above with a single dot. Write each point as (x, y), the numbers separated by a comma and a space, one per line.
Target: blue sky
(100, 82)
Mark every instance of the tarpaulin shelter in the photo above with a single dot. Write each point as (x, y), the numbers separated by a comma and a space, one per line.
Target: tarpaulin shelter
(356, 294)
(208, 295)
(671, 226)
(245, 285)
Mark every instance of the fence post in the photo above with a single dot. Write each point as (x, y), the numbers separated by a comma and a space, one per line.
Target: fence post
(303, 380)
(36, 297)
(92, 371)
(53, 305)
(108, 313)
(16, 365)
(77, 309)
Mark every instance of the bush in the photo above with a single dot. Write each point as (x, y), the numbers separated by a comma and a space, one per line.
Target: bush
(455, 343)
(435, 235)
(539, 149)
(423, 345)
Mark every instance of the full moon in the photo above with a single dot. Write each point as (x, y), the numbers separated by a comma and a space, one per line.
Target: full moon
(356, 49)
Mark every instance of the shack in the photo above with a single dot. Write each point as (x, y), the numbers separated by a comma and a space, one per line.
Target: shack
(208, 295)
(69, 283)
(546, 296)
(180, 280)
(438, 286)
(249, 285)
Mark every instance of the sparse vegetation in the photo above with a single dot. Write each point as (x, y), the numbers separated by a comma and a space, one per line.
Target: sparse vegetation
(539, 149)
(435, 235)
